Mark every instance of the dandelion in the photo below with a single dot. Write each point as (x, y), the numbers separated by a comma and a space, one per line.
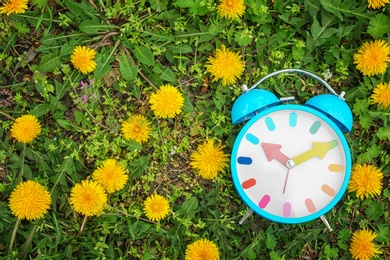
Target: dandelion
(14, 6)
(226, 65)
(82, 59)
(25, 128)
(209, 159)
(376, 4)
(88, 198)
(381, 95)
(166, 102)
(137, 128)
(366, 180)
(156, 207)
(111, 175)
(362, 247)
(372, 57)
(29, 200)
(231, 8)
(202, 249)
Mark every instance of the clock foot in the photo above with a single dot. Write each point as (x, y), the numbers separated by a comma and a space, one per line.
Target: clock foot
(247, 214)
(326, 223)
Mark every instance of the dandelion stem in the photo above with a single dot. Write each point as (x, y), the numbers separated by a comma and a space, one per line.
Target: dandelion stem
(14, 232)
(148, 80)
(82, 225)
(7, 116)
(23, 157)
(29, 239)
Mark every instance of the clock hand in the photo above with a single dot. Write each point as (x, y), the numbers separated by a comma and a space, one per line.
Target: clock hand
(319, 150)
(285, 182)
(272, 152)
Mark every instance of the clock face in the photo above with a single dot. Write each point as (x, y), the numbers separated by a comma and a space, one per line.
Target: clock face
(290, 164)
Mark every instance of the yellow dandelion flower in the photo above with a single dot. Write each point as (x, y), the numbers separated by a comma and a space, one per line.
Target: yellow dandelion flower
(82, 59)
(231, 9)
(29, 200)
(202, 249)
(376, 4)
(372, 57)
(366, 180)
(362, 247)
(14, 6)
(156, 207)
(381, 95)
(25, 128)
(137, 128)
(111, 175)
(209, 159)
(88, 197)
(166, 102)
(226, 65)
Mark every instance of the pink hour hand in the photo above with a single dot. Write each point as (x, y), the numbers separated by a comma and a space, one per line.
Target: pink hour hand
(272, 152)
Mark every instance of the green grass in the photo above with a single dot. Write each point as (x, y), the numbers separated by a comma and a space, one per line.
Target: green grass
(142, 45)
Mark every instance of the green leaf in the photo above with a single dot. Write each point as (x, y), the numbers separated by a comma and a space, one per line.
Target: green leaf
(187, 107)
(94, 26)
(66, 167)
(383, 133)
(270, 241)
(49, 62)
(379, 25)
(180, 49)
(82, 9)
(332, 7)
(165, 73)
(375, 210)
(139, 166)
(383, 234)
(188, 208)
(144, 55)
(40, 3)
(64, 123)
(298, 53)
(40, 110)
(128, 70)
(361, 106)
(331, 252)
(21, 27)
(243, 38)
(103, 63)
(386, 193)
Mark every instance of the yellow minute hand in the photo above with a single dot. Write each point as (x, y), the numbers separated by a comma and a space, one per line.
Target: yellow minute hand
(319, 150)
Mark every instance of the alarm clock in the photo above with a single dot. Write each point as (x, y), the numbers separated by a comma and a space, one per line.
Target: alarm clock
(291, 163)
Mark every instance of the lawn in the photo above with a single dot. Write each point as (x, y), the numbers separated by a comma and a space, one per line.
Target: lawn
(116, 125)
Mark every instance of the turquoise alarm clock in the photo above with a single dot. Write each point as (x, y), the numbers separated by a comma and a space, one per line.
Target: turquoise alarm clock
(291, 163)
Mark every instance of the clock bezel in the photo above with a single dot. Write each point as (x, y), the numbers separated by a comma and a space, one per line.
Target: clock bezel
(280, 219)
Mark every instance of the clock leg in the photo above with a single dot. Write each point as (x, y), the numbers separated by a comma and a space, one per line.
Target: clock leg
(247, 214)
(323, 218)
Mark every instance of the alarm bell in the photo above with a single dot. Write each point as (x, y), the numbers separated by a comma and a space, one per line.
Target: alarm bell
(252, 102)
(335, 108)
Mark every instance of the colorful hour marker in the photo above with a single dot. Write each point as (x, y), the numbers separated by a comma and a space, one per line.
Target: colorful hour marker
(248, 183)
(264, 201)
(310, 205)
(328, 190)
(315, 127)
(270, 124)
(293, 119)
(252, 138)
(335, 168)
(244, 160)
(286, 209)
